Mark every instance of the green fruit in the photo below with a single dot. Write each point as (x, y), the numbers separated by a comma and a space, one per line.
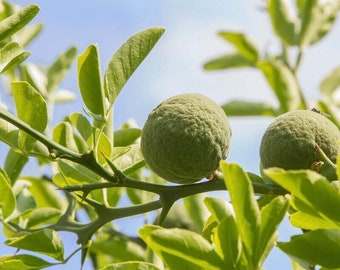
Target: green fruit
(185, 137)
(291, 139)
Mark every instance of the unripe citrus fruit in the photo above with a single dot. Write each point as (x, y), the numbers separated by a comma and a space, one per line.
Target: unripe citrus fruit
(185, 137)
(290, 142)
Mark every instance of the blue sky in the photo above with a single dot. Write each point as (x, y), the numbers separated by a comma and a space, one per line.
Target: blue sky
(175, 64)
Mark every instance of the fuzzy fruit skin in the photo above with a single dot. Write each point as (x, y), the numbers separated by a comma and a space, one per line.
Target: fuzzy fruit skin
(185, 137)
(289, 142)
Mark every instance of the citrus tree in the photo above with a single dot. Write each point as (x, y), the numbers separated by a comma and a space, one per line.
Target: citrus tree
(92, 166)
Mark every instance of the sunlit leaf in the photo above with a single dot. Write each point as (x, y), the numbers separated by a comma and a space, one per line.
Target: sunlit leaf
(181, 249)
(57, 71)
(330, 110)
(283, 83)
(24, 198)
(246, 108)
(209, 228)
(83, 126)
(63, 95)
(282, 20)
(75, 174)
(231, 60)
(25, 36)
(63, 134)
(130, 160)
(17, 21)
(317, 19)
(319, 247)
(31, 108)
(23, 262)
(130, 266)
(218, 208)
(244, 45)
(36, 77)
(330, 83)
(7, 198)
(271, 216)
(311, 192)
(89, 80)
(45, 241)
(311, 221)
(196, 210)
(11, 55)
(120, 247)
(127, 59)
(9, 134)
(41, 216)
(126, 136)
(246, 209)
(45, 193)
(14, 163)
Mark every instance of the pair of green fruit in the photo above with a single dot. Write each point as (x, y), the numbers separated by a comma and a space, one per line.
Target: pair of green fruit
(186, 136)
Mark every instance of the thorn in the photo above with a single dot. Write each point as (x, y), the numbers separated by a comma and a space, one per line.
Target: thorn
(121, 177)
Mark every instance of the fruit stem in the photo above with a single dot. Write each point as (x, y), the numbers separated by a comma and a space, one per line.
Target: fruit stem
(324, 156)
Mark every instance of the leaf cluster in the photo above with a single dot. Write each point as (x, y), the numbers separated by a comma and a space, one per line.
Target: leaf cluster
(94, 167)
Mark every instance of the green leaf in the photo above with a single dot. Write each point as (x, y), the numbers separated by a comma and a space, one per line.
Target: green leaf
(63, 134)
(31, 108)
(139, 196)
(57, 71)
(271, 216)
(45, 193)
(282, 21)
(104, 146)
(245, 108)
(14, 164)
(130, 266)
(126, 136)
(127, 59)
(17, 21)
(9, 134)
(83, 126)
(319, 247)
(63, 95)
(130, 160)
(231, 60)
(7, 198)
(317, 18)
(119, 247)
(246, 209)
(74, 174)
(11, 55)
(218, 208)
(196, 210)
(23, 262)
(312, 189)
(311, 221)
(227, 242)
(89, 80)
(36, 77)
(209, 228)
(283, 83)
(41, 216)
(45, 241)
(25, 200)
(330, 83)
(330, 109)
(29, 33)
(181, 249)
(244, 45)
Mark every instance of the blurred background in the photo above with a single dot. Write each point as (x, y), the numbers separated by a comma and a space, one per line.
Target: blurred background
(174, 66)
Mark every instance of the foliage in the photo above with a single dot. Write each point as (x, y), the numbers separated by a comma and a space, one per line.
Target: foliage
(93, 166)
